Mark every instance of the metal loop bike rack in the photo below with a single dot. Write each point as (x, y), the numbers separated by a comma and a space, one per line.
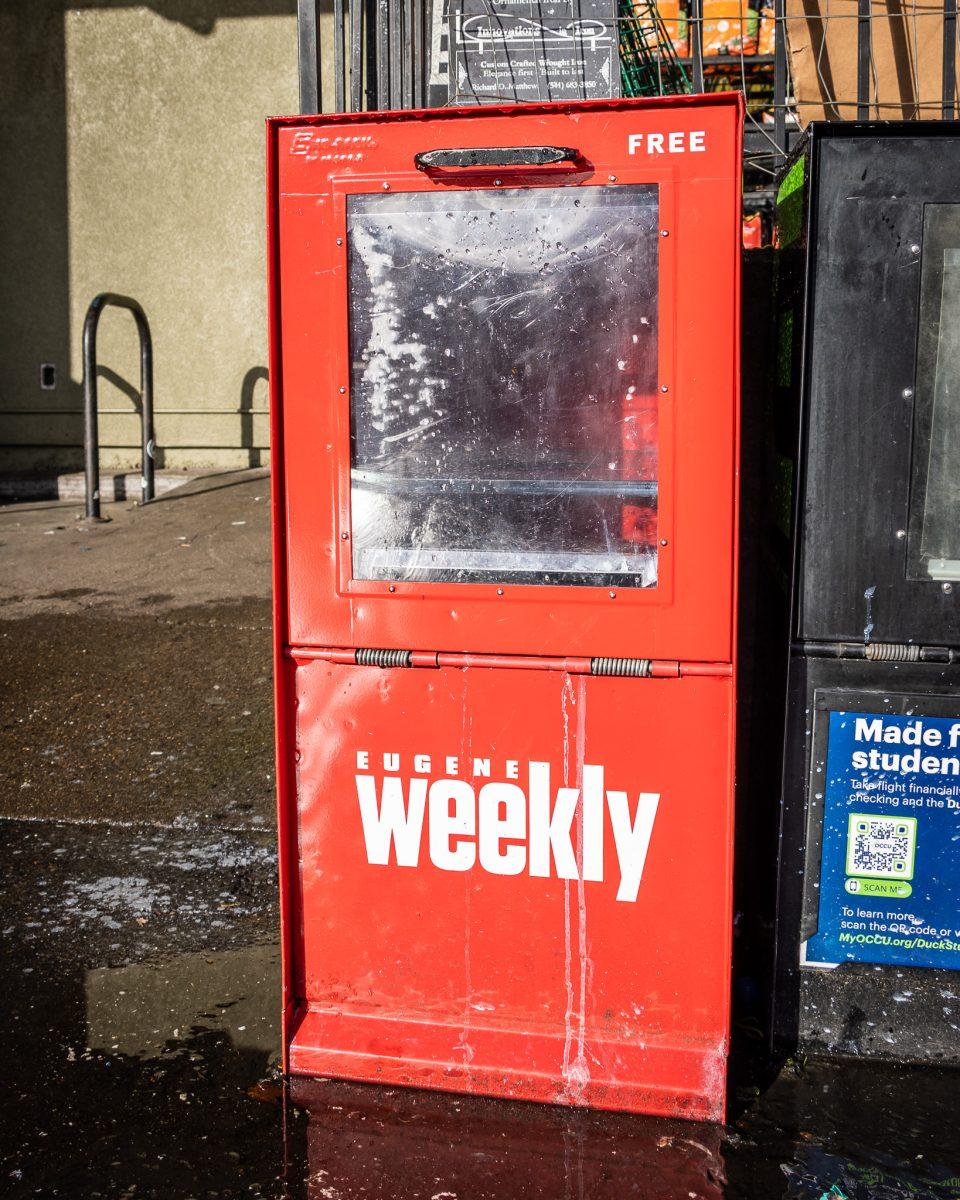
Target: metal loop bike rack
(91, 439)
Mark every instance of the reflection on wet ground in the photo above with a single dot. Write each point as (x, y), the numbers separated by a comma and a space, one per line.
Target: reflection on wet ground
(139, 1059)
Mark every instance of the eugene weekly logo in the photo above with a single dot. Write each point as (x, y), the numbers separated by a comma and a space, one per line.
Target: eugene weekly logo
(505, 828)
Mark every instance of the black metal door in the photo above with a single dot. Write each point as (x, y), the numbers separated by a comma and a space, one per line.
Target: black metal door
(880, 472)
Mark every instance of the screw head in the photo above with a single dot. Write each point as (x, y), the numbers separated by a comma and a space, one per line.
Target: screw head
(664, 388)
(901, 534)
(497, 182)
(947, 587)
(908, 393)
(393, 587)
(344, 536)
(613, 595)
(612, 178)
(664, 232)
(385, 186)
(499, 591)
(339, 241)
(664, 542)
(914, 249)
(343, 391)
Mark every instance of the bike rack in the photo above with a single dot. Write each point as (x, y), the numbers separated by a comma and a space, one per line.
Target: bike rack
(91, 440)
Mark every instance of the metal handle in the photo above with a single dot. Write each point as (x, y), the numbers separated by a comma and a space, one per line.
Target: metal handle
(496, 156)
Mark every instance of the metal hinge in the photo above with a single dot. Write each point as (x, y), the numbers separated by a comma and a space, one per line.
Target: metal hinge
(889, 652)
(636, 668)
(639, 668)
(633, 668)
(368, 657)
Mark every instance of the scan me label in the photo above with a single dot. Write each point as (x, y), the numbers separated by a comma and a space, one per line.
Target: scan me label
(529, 826)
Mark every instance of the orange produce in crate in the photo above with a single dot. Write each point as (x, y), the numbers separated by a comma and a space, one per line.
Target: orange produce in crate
(767, 34)
(729, 27)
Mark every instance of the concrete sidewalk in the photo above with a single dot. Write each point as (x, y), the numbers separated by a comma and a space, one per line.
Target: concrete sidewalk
(136, 659)
(208, 542)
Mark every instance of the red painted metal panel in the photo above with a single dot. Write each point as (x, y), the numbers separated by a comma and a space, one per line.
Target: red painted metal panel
(321, 162)
(282, 669)
(522, 984)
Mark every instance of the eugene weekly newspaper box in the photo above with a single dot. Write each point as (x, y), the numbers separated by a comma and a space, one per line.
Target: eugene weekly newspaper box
(505, 371)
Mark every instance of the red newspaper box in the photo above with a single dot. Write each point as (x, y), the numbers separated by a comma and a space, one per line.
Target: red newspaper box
(505, 385)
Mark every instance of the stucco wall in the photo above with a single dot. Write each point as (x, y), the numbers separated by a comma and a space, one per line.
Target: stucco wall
(131, 160)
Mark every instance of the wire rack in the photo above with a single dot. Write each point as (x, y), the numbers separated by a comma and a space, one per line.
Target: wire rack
(820, 59)
(649, 63)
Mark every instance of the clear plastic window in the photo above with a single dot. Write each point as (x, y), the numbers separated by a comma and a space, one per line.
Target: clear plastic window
(503, 389)
(935, 499)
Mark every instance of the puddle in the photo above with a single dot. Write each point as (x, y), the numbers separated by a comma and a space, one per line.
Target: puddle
(138, 1052)
(135, 1010)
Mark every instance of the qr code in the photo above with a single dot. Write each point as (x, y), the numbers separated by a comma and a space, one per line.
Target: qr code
(881, 847)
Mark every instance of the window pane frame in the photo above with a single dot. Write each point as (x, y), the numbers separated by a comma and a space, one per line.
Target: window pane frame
(567, 564)
(941, 235)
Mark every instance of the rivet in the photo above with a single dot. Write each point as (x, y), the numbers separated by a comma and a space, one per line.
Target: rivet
(947, 587)
(612, 178)
(901, 534)
(664, 232)
(664, 542)
(499, 591)
(497, 182)
(613, 595)
(664, 388)
(344, 536)
(908, 393)
(343, 391)
(339, 241)
(393, 587)
(914, 249)
(386, 187)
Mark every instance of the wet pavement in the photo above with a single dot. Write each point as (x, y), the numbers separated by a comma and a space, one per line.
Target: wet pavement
(141, 995)
(157, 717)
(138, 917)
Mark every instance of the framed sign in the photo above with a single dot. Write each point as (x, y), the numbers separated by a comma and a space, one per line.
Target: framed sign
(560, 50)
(885, 815)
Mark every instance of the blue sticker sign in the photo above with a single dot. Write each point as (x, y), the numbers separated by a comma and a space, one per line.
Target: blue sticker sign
(890, 866)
